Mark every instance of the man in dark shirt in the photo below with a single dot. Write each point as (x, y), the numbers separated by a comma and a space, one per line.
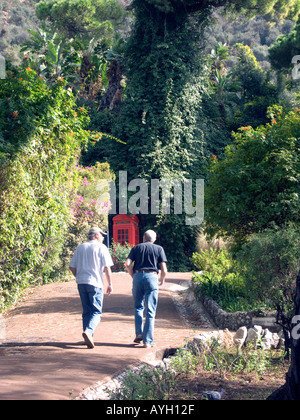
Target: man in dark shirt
(143, 264)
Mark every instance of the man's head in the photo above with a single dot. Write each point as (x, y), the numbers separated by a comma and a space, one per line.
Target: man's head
(96, 233)
(149, 236)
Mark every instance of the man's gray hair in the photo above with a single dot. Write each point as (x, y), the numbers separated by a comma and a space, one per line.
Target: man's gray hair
(150, 236)
(91, 236)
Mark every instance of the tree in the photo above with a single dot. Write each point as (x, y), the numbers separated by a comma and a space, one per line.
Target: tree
(42, 132)
(52, 57)
(285, 48)
(158, 120)
(75, 48)
(291, 389)
(256, 184)
(271, 262)
(254, 89)
(166, 76)
(248, 8)
(81, 19)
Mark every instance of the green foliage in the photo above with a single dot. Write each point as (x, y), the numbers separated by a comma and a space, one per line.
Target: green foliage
(145, 384)
(271, 261)
(52, 57)
(256, 184)
(285, 48)
(159, 118)
(119, 254)
(184, 361)
(254, 91)
(89, 206)
(72, 48)
(95, 20)
(157, 383)
(220, 279)
(42, 133)
(29, 107)
(215, 357)
(165, 383)
(242, 91)
(248, 8)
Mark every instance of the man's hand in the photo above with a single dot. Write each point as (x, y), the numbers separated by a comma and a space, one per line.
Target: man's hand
(109, 290)
(73, 271)
(128, 267)
(163, 273)
(161, 282)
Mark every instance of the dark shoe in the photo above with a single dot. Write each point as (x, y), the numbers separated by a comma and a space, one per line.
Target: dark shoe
(88, 339)
(138, 338)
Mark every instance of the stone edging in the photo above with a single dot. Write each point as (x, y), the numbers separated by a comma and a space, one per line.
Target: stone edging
(233, 321)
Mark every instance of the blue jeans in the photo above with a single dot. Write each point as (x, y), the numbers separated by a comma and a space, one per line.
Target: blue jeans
(145, 295)
(92, 302)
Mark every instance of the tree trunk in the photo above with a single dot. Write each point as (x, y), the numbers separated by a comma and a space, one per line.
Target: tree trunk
(113, 95)
(291, 389)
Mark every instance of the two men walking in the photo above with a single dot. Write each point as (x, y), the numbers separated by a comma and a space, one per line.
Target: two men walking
(91, 259)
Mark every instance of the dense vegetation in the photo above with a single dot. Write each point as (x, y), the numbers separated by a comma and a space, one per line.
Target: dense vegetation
(42, 133)
(177, 98)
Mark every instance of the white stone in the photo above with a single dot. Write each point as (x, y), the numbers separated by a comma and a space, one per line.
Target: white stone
(240, 336)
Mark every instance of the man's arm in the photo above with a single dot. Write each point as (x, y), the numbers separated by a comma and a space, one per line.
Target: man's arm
(163, 273)
(128, 266)
(109, 289)
(73, 271)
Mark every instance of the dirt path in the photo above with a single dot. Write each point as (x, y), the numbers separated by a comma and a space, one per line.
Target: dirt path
(42, 356)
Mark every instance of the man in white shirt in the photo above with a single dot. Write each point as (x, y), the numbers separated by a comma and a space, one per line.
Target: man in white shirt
(88, 263)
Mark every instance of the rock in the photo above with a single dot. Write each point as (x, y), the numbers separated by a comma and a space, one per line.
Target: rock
(267, 341)
(276, 340)
(200, 341)
(258, 329)
(227, 339)
(281, 344)
(240, 336)
(254, 334)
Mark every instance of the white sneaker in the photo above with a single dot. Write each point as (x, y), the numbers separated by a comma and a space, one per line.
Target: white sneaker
(88, 339)
(148, 345)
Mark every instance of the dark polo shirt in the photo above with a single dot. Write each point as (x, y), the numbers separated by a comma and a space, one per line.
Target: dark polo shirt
(147, 256)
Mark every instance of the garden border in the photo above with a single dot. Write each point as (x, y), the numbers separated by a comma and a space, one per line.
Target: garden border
(233, 321)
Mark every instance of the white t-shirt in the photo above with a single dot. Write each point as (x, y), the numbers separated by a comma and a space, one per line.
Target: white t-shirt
(89, 259)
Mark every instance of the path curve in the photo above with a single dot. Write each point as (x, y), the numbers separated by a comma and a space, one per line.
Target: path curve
(42, 356)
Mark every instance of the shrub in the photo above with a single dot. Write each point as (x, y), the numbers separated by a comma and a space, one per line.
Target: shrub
(119, 254)
(271, 263)
(256, 184)
(89, 206)
(220, 279)
(215, 357)
(41, 135)
(158, 383)
(145, 384)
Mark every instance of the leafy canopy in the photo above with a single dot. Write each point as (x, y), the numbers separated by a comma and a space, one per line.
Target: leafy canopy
(81, 18)
(256, 185)
(249, 8)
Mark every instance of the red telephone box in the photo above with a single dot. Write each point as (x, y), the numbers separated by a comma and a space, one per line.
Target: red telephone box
(126, 229)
